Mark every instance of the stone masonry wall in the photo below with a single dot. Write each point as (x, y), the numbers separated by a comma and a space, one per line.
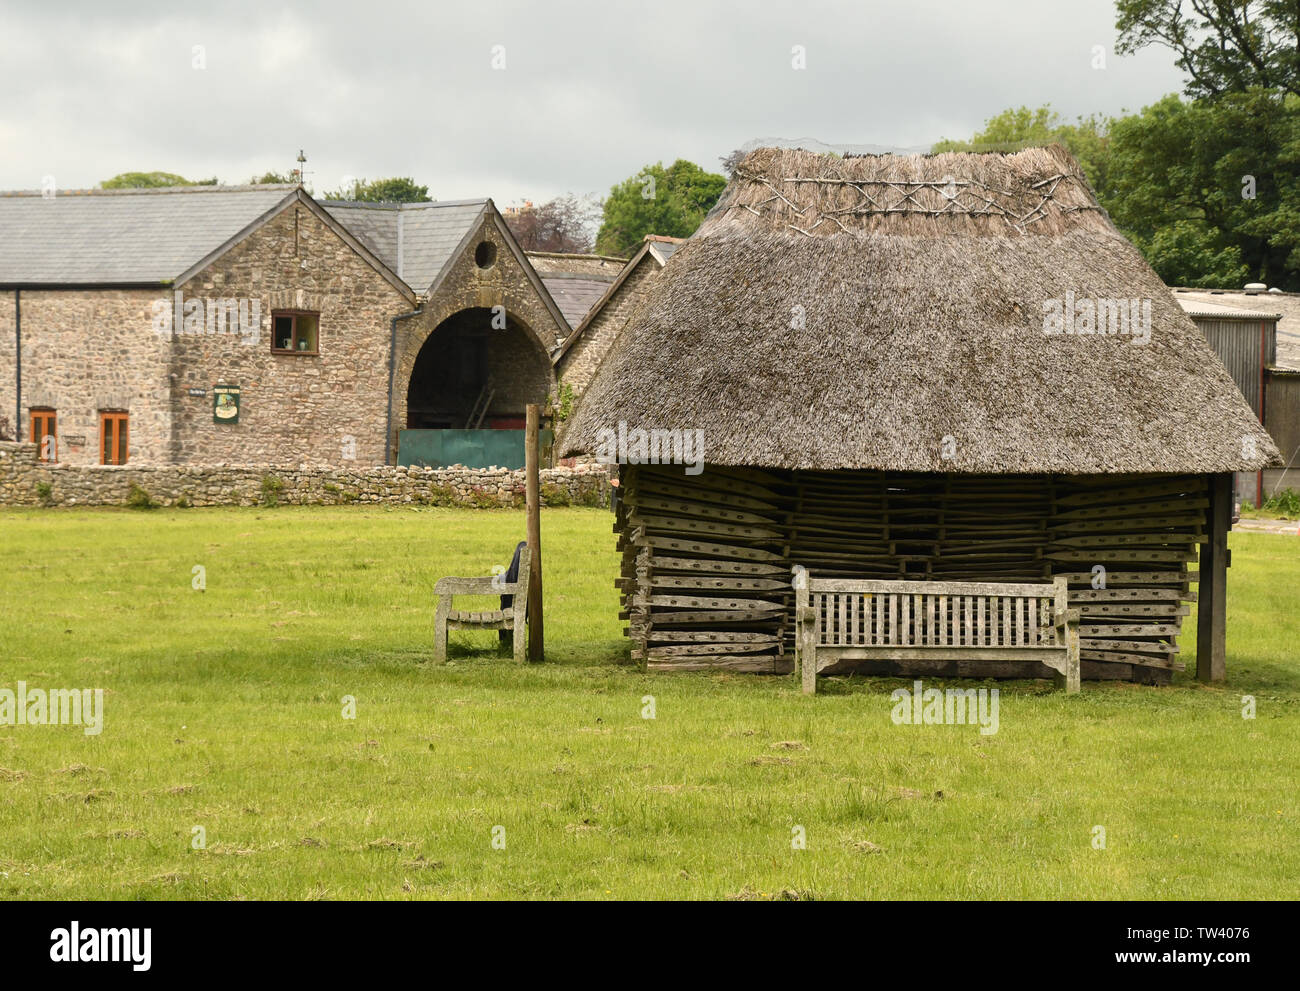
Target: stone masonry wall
(26, 481)
(327, 407)
(85, 351)
(580, 362)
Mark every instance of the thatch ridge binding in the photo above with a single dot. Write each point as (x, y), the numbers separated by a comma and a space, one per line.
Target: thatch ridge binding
(917, 324)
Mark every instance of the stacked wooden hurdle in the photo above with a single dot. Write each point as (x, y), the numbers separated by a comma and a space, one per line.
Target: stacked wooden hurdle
(707, 559)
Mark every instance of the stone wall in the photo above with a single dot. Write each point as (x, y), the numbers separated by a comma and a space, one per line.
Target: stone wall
(85, 351)
(580, 362)
(26, 481)
(326, 407)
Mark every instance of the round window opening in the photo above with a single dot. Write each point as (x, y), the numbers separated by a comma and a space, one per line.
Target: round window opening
(485, 254)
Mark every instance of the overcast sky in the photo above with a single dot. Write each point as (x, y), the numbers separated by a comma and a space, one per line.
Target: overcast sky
(589, 92)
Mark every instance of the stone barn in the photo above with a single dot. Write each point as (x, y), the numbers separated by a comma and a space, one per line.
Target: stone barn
(254, 324)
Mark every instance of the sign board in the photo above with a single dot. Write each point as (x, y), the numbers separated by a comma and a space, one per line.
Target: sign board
(198, 392)
(225, 404)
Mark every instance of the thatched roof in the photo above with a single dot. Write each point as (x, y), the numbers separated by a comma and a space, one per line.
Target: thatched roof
(922, 282)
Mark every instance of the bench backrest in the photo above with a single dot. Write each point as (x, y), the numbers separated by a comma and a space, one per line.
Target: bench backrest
(490, 585)
(933, 614)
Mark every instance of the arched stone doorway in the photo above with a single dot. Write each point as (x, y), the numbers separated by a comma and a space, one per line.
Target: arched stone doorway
(470, 374)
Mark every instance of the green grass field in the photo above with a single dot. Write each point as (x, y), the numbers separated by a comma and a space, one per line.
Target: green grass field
(223, 710)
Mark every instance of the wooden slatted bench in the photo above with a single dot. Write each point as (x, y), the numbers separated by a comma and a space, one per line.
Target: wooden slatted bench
(513, 619)
(842, 619)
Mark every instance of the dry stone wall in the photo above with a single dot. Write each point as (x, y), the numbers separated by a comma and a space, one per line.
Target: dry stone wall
(26, 481)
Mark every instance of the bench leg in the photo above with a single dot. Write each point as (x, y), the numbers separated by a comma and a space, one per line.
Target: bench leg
(1067, 675)
(1072, 665)
(440, 634)
(807, 637)
(521, 632)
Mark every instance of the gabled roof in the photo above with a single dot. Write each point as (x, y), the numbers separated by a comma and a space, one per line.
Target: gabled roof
(575, 281)
(888, 312)
(415, 240)
(1281, 306)
(126, 236)
(662, 247)
(656, 247)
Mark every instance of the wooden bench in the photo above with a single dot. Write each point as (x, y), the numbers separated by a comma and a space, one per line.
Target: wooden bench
(838, 619)
(446, 618)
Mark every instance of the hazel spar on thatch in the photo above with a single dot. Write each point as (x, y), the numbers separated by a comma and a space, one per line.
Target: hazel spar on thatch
(855, 312)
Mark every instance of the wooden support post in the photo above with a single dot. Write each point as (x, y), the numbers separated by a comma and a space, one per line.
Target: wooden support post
(1212, 611)
(536, 648)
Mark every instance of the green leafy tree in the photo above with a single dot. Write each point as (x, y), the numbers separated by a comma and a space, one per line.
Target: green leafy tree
(658, 200)
(152, 180)
(1210, 189)
(1224, 46)
(395, 190)
(272, 179)
(1088, 139)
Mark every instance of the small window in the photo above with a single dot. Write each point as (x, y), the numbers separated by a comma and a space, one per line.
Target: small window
(295, 332)
(112, 437)
(485, 254)
(45, 433)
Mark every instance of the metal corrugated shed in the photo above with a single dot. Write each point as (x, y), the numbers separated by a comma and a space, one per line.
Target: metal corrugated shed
(1245, 341)
(1286, 304)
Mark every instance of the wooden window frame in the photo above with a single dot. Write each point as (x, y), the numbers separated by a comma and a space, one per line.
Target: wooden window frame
(121, 436)
(293, 340)
(36, 413)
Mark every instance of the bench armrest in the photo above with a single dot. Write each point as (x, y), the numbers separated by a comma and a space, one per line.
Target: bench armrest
(1070, 617)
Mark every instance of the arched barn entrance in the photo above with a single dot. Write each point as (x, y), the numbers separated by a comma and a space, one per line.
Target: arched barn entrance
(471, 377)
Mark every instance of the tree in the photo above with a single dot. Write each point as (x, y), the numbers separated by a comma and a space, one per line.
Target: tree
(658, 200)
(1088, 139)
(1224, 46)
(272, 179)
(394, 190)
(152, 180)
(567, 223)
(1210, 189)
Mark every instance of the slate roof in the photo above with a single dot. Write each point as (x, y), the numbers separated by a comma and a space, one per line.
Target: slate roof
(1266, 304)
(122, 236)
(657, 246)
(575, 295)
(415, 240)
(663, 248)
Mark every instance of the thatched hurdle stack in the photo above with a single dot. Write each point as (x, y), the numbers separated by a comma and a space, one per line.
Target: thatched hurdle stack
(895, 376)
(704, 580)
(707, 564)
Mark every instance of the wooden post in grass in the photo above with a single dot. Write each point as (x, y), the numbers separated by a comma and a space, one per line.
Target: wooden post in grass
(1212, 593)
(533, 489)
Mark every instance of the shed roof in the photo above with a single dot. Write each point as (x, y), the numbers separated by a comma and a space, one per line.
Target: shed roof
(887, 312)
(126, 236)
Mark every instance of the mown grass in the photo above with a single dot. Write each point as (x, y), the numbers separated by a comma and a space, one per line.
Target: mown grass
(224, 711)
